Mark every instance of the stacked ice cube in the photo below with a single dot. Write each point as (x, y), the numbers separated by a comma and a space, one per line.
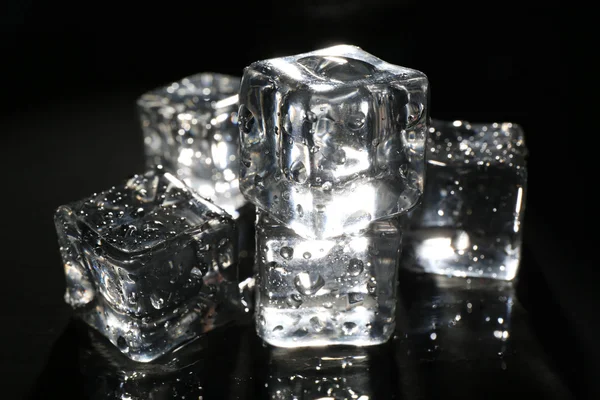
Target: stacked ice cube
(332, 151)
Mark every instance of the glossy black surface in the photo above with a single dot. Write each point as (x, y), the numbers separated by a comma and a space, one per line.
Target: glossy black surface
(472, 339)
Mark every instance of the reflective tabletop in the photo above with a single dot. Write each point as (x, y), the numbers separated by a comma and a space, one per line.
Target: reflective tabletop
(471, 338)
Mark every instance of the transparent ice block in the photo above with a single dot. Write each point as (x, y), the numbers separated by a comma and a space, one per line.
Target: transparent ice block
(332, 140)
(469, 223)
(316, 292)
(149, 264)
(190, 127)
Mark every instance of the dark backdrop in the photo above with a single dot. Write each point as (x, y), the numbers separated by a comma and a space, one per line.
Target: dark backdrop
(69, 79)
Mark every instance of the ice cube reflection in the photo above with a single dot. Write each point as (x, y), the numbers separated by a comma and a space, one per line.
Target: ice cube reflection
(452, 318)
(331, 373)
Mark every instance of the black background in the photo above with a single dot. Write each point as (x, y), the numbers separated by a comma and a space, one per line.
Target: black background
(69, 79)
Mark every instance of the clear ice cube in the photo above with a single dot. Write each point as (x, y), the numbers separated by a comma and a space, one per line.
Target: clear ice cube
(190, 127)
(149, 264)
(315, 292)
(469, 223)
(332, 140)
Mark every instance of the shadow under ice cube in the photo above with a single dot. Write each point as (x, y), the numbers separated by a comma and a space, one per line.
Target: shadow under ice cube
(149, 264)
(332, 140)
(315, 292)
(190, 127)
(469, 223)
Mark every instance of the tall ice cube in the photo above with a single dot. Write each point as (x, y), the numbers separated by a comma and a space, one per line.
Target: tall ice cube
(469, 223)
(332, 140)
(190, 127)
(315, 292)
(149, 263)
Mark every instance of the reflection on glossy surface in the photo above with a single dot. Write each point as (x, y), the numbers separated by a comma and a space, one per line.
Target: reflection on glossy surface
(455, 338)
(183, 374)
(331, 373)
(332, 140)
(471, 338)
(245, 226)
(457, 318)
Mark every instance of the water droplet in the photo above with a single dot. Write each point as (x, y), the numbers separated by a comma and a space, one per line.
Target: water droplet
(372, 285)
(349, 328)
(356, 121)
(460, 241)
(298, 171)
(355, 298)
(355, 267)
(133, 298)
(317, 324)
(300, 210)
(122, 344)
(245, 119)
(311, 116)
(294, 300)
(307, 255)
(157, 301)
(328, 304)
(374, 251)
(224, 259)
(258, 181)
(278, 328)
(308, 283)
(339, 156)
(286, 252)
(327, 185)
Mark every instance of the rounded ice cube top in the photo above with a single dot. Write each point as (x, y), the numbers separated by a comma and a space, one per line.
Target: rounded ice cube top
(332, 140)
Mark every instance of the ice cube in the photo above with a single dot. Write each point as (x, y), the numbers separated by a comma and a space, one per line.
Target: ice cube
(149, 263)
(314, 292)
(332, 140)
(469, 223)
(190, 127)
